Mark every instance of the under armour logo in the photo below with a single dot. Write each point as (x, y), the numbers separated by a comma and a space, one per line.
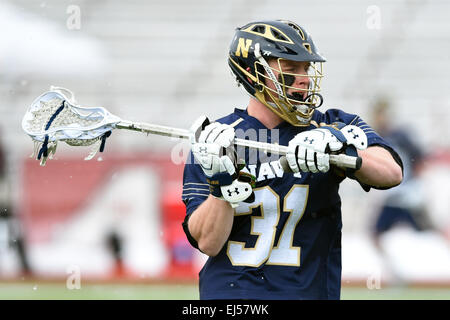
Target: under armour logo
(354, 134)
(230, 192)
(310, 140)
(203, 149)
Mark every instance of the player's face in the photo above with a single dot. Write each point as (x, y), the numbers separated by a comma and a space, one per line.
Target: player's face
(295, 74)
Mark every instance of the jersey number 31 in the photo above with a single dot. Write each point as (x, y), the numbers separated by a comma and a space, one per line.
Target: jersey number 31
(265, 227)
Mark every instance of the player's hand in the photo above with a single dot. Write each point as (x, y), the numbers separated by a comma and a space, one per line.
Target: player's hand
(232, 186)
(212, 147)
(309, 150)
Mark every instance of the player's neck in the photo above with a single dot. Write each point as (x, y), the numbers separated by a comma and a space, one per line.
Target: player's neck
(264, 115)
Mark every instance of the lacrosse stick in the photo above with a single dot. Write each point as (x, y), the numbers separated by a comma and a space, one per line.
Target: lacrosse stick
(55, 116)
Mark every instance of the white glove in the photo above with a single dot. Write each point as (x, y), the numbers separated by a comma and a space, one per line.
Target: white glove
(309, 150)
(231, 187)
(212, 148)
(355, 136)
(209, 148)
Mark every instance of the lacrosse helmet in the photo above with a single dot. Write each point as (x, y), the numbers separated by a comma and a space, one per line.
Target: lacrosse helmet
(256, 42)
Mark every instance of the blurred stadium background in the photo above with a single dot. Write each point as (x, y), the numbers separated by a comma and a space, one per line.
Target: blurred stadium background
(112, 225)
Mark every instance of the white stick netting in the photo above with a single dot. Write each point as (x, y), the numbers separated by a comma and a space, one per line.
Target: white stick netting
(54, 116)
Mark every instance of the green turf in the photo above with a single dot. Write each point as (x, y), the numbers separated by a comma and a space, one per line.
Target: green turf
(396, 293)
(59, 291)
(55, 291)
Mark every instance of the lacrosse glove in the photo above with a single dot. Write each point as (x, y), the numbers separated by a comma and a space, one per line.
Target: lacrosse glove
(212, 147)
(309, 151)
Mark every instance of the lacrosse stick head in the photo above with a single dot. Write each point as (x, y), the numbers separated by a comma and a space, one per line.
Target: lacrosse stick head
(55, 116)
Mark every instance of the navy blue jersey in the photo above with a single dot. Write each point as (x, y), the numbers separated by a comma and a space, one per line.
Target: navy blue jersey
(287, 243)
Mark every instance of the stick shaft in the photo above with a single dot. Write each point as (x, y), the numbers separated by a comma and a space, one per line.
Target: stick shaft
(340, 160)
(154, 129)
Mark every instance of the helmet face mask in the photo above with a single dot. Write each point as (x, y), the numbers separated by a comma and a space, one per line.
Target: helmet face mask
(292, 103)
(278, 42)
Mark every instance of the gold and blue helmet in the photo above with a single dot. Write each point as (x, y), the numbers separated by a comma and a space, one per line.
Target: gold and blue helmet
(250, 50)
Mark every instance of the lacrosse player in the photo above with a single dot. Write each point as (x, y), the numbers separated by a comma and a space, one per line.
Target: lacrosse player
(271, 234)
